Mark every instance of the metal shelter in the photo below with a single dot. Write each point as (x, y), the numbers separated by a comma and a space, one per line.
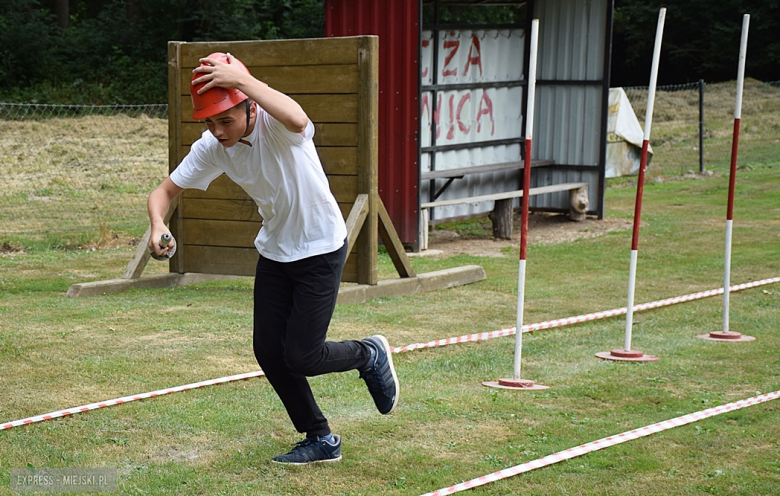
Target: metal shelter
(572, 103)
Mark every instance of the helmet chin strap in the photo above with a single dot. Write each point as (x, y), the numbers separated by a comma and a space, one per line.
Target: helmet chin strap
(248, 107)
(246, 131)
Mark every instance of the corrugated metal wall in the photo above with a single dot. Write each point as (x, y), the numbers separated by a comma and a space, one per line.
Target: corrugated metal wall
(466, 116)
(396, 22)
(572, 75)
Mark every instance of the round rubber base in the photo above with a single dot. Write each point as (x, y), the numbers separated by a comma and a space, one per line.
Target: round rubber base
(517, 385)
(626, 356)
(726, 337)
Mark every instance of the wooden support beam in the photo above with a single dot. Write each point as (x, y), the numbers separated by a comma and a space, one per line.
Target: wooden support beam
(393, 243)
(155, 281)
(368, 156)
(141, 256)
(357, 216)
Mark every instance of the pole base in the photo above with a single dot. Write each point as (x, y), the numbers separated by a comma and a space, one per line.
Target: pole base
(517, 384)
(626, 356)
(726, 337)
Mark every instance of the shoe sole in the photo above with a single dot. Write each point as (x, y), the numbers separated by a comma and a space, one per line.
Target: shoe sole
(307, 463)
(389, 353)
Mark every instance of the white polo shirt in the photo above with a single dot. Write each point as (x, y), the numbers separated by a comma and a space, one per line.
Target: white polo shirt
(283, 174)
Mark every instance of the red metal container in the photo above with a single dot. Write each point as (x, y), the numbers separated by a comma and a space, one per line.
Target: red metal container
(397, 23)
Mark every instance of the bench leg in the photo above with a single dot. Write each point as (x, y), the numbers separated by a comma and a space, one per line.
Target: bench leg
(578, 204)
(501, 216)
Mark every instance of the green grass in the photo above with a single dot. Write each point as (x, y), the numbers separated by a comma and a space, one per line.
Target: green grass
(57, 352)
(675, 130)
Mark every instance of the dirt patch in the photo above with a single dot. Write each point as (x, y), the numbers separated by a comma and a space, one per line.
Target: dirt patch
(109, 240)
(542, 229)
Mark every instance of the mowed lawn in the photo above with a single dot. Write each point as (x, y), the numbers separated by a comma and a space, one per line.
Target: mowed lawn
(57, 352)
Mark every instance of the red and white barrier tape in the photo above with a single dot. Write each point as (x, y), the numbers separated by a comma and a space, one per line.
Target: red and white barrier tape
(128, 399)
(604, 443)
(583, 318)
(442, 342)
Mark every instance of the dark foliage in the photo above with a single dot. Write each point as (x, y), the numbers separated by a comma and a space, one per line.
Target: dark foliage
(114, 51)
(701, 40)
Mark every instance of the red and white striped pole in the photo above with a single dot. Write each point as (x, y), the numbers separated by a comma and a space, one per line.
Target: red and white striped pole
(627, 354)
(516, 382)
(725, 334)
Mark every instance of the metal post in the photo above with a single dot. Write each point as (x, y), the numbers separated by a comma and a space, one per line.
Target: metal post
(516, 382)
(701, 125)
(726, 334)
(627, 354)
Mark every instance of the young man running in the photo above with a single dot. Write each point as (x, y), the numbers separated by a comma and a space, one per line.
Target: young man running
(262, 140)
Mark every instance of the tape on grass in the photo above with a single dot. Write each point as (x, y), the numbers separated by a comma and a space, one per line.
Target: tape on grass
(583, 318)
(604, 443)
(128, 399)
(442, 342)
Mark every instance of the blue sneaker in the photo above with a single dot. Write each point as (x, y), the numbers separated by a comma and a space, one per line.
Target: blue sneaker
(380, 377)
(311, 451)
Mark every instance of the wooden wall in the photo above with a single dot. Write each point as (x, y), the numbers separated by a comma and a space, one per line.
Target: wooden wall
(335, 81)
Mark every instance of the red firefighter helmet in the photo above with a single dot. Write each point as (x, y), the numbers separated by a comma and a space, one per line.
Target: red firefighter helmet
(217, 99)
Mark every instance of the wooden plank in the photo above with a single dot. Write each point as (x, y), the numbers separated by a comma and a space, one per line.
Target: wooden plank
(507, 194)
(357, 216)
(239, 262)
(316, 51)
(345, 208)
(482, 169)
(332, 134)
(319, 108)
(174, 141)
(183, 151)
(140, 257)
(339, 160)
(235, 234)
(393, 244)
(311, 79)
(325, 134)
(329, 108)
(191, 132)
(243, 209)
(156, 281)
(368, 156)
(344, 188)
(221, 260)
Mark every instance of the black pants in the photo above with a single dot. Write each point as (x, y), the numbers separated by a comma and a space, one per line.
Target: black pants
(294, 303)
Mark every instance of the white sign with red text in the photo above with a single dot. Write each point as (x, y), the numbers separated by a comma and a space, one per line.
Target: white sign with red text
(472, 115)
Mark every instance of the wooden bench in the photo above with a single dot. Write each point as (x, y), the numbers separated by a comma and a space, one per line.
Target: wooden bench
(501, 216)
(452, 174)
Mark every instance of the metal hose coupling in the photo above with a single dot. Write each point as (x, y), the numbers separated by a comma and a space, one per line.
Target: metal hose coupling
(165, 240)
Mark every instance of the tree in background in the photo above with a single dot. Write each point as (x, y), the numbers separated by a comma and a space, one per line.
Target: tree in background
(115, 51)
(701, 40)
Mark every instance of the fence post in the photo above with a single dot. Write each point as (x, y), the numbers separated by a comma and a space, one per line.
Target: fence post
(701, 125)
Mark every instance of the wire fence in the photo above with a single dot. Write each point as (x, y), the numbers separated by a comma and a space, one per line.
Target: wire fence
(70, 168)
(693, 125)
